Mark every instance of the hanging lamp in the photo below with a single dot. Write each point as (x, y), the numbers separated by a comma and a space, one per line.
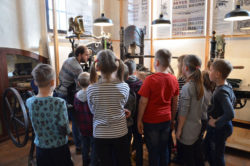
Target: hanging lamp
(161, 21)
(238, 14)
(102, 21)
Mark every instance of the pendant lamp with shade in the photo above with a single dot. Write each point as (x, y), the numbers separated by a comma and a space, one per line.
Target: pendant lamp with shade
(238, 14)
(102, 21)
(161, 21)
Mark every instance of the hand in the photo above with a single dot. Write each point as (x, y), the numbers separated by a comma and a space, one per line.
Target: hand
(140, 126)
(172, 124)
(127, 113)
(212, 121)
(178, 134)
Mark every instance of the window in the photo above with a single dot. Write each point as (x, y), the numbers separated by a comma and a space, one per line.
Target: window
(60, 13)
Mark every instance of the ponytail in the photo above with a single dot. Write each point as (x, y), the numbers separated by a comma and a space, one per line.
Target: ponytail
(93, 74)
(193, 64)
(197, 78)
(120, 70)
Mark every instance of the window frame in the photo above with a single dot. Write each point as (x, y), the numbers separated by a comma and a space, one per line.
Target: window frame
(48, 19)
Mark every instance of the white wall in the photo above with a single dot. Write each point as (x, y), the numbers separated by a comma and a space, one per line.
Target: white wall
(23, 25)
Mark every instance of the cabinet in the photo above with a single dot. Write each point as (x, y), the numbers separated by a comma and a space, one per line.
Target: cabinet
(15, 71)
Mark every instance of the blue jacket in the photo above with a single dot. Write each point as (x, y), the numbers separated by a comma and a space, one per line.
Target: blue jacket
(222, 105)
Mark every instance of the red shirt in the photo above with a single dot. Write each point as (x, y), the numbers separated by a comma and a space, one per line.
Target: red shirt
(159, 88)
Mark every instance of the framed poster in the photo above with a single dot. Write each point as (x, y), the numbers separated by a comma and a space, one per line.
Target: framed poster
(220, 9)
(138, 14)
(188, 18)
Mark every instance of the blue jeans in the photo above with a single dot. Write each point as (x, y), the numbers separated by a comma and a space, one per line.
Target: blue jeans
(157, 137)
(215, 144)
(75, 129)
(87, 144)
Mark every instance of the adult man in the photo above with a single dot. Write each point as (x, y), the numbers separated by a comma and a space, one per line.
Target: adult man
(68, 75)
(70, 70)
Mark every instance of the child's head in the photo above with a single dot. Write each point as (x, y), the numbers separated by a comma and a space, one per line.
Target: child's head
(83, 80)
(208, 84)
(131, 66)
(106, 63)
(220, 69)
(180, 64)
(44, 76)
(126, 72)
(162, 59)
(191, 70)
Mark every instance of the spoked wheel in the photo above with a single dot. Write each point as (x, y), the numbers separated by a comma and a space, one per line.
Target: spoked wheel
(15, 117)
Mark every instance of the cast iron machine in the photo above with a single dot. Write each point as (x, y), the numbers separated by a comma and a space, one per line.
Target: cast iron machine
(129, 39)
(16, 120)
(217, 51)
(102, 42)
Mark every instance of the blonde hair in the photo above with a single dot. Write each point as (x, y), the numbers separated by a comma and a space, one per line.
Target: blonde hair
(43, 74)
(164, 57)
(193, 63)
(180, 61)
(106, 62)
(83, 79)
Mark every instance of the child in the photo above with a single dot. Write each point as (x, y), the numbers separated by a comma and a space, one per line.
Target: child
(134, 84)
(106, 99)
(159, 95)
(190, 111)
(181, 78)
(49, 120)
(208, 91)
(181, 81)
(84, 120)
(221, 113)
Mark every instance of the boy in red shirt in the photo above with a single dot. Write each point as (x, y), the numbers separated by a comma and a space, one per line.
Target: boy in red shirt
(157, 106)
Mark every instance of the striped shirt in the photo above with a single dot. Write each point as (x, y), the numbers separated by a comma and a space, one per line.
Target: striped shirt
(106, 102)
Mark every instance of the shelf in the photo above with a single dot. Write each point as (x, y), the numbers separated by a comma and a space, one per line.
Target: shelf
(20, 77)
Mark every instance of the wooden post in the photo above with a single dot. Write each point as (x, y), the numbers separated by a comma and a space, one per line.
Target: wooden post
(121, 13)
(56, 50)
(207, 34)
(151, 38)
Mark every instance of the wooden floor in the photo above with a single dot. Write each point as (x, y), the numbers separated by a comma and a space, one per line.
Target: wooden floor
(13, 156)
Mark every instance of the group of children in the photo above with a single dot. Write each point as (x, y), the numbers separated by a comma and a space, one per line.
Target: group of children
(115, 106)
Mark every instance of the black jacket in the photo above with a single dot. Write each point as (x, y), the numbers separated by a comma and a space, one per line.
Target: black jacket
(222, 105)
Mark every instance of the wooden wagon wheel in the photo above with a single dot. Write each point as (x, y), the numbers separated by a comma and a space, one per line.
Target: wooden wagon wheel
(15, 117)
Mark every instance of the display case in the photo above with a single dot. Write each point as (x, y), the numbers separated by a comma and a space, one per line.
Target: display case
(15, 71)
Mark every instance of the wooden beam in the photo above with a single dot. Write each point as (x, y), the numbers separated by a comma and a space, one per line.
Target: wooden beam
(56, 50)
(121, 14)
(151, 38)
(207, 34)
(179, 38)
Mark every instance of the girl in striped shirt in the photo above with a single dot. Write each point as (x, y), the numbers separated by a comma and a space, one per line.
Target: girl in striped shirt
(106, 98)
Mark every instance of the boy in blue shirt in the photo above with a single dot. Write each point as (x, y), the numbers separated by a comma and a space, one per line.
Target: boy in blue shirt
(220, 112)
(49, 120)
